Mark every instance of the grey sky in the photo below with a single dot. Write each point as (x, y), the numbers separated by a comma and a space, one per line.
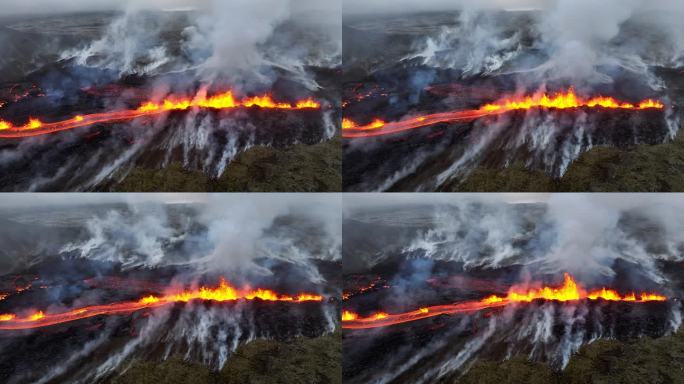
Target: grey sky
(399, 6)
(355, 201)
(12, 200)
(60, 6)
(63, 6)
(392, 6)
(616, 201)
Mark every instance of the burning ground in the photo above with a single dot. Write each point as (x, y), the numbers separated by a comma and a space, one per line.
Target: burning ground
(110, 291)
(444, 289)
(111, 100)
(485, 99)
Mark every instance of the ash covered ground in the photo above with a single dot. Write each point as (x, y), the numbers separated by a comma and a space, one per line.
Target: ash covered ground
(102, 252)
(60, 65)
(410, 252)
(399, 65)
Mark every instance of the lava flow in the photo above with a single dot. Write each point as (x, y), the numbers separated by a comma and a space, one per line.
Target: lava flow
(223, 293)
(562, 100)
(223, 101)
(569, 291)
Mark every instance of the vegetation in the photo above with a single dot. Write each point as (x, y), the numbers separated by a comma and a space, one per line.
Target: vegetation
(644, 168)
(644, 361)
(300, 168)
(303, 360)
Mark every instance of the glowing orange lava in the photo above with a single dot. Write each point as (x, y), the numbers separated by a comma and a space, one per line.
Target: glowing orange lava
(346, 124)
(375, 283)
(562, 100)
(222, 101)
(568, 291)
(224, 292)
(346, 316)
(566, 100)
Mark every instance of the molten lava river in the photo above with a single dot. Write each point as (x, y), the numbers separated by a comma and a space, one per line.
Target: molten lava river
(569, 291)
(562, 100)
(224, 292)
(222, 101)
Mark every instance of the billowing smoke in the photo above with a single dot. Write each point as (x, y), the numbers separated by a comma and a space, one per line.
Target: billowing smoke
(240, 42)
(226, 234)
(580, 234)
(584, 43)
(477, 45)
(250, 24)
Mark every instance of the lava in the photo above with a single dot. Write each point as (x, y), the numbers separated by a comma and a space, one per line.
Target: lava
(224, 292)
(222, 101)
(562, 100)
(569, 291)
(360, 290)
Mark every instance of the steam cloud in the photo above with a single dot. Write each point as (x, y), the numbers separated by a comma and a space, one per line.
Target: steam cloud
(585, 42)
(580, 234)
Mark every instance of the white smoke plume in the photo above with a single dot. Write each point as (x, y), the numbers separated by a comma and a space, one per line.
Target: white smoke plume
(226, 40)
(584, 42)
(583, 234)
(236, 234)
(237, 41)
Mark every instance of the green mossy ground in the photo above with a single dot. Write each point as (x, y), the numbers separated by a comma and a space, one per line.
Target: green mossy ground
(644, 168)
(644, 361)
(301, 361)
(300, 168)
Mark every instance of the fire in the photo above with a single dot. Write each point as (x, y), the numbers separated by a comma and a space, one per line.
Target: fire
(346, 316)
(375, 283)
(568, 291)
(221, 101)
(566, 100)
(265, 102)
(149, 300)
(493, 299)
(377, 123)
(308, 297)
(34, 124)
(380, 316)
(224, 292)
(561, 100)
(308, 104)
(652, 297)
(348, 124)
(148, 107)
